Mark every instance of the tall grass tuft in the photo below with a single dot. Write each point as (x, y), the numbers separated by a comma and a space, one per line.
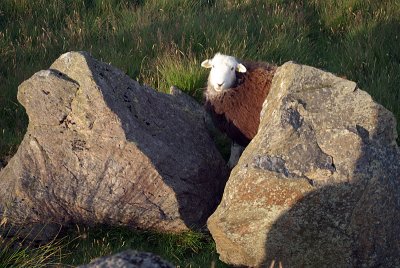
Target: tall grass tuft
(174, 67)
(17, 248)
(190, 249)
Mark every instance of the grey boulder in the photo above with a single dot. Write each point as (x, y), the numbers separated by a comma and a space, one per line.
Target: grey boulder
(319, 184)
(102, 149)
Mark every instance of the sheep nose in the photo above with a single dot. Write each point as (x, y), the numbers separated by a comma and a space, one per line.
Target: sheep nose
(220, 84)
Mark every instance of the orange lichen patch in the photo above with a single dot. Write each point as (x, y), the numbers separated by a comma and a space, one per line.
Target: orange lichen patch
(274, 191)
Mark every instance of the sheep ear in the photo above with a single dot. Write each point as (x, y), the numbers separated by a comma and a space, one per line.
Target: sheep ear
(206, 64)
(240, 68)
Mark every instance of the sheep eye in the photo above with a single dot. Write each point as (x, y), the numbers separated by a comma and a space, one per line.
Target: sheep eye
(213, 66)
(231, 68)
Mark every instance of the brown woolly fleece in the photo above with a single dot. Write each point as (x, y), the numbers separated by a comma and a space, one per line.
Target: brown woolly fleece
(236, 111)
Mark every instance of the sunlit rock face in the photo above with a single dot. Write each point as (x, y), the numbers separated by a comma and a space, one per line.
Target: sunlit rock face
(102, 149)
(319, 184)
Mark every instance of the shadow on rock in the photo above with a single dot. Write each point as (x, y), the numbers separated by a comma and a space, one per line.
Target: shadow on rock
(319, 185)
(352, 224)
(102, 149)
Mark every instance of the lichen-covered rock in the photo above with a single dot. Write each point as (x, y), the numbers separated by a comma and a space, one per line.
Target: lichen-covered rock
(319, 185)
(129, 259)
(102, 149)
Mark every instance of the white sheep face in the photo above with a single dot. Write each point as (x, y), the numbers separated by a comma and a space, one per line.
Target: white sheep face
(223, 71)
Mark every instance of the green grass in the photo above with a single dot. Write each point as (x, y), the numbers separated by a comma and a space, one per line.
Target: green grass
(162, 42)
(190, 249)
(80, 245)
(18, 250)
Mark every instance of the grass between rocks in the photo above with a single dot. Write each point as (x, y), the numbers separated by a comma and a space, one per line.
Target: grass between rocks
(80, 245)
(162, 42)
(17, 248)
(190, 249)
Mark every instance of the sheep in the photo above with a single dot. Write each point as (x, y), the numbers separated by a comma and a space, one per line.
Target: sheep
(234, 97)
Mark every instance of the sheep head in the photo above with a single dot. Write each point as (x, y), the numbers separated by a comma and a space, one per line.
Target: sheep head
(223, 71)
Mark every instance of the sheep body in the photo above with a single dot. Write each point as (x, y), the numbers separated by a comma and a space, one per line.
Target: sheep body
(236, 110)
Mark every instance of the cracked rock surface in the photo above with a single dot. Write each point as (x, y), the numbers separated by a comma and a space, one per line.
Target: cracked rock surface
(102, 149)
(319, 185)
